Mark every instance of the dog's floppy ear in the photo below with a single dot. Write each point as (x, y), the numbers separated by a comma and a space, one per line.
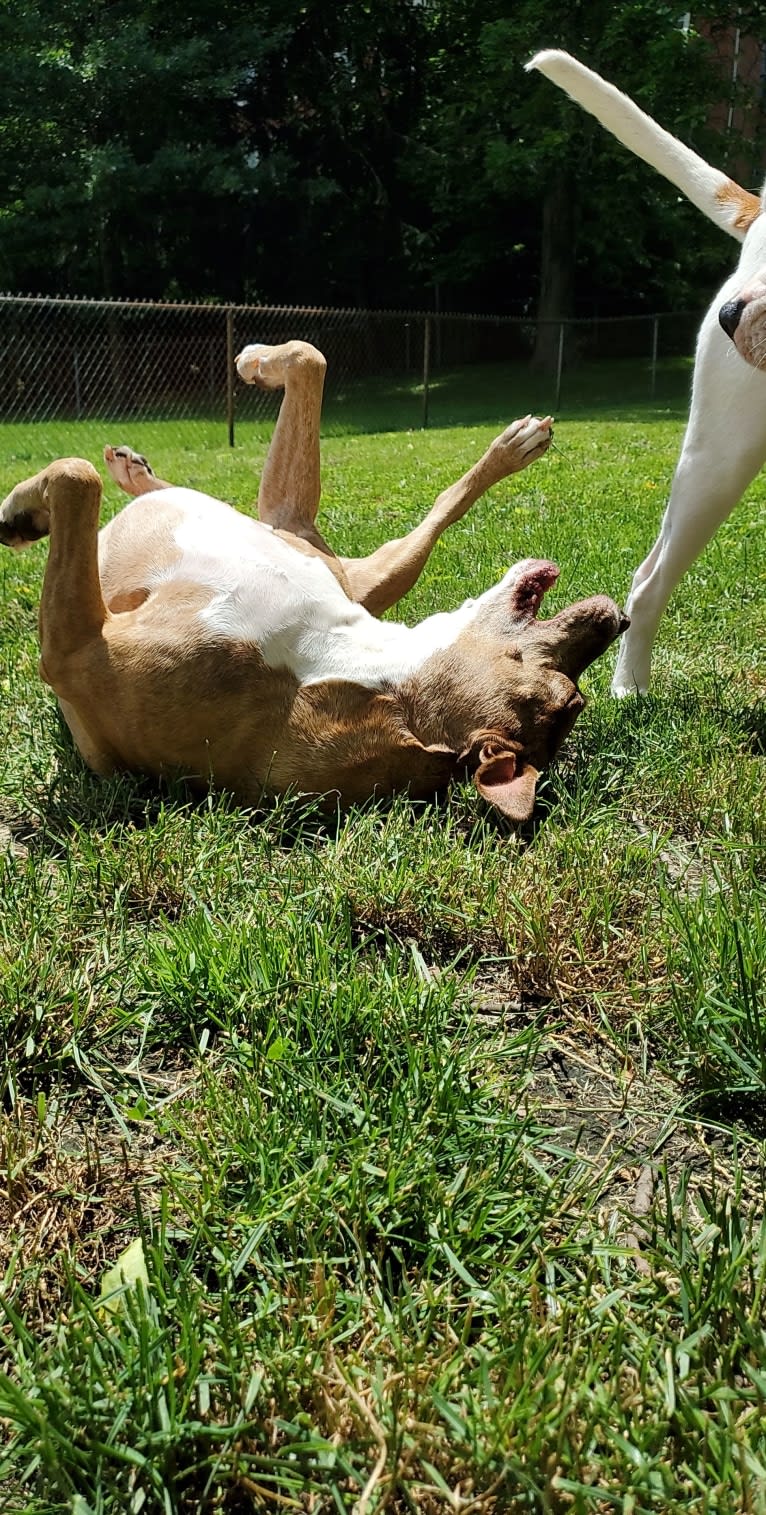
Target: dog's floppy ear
(506, 780)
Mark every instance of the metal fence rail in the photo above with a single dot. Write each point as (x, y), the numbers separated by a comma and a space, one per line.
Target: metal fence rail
(122, 360)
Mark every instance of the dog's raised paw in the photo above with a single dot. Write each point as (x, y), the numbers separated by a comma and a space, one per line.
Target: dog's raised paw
(129, 469)
(253, 366)
(524, 441)
(267, 367)
(22, 521)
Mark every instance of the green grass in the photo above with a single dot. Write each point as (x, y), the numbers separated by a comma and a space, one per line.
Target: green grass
(444, 1143)
(478, 393)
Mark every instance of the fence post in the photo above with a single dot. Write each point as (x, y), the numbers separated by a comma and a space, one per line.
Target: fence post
(655, 336)
(426, 368)
(76, 373)
(230, 372)
(559, 366)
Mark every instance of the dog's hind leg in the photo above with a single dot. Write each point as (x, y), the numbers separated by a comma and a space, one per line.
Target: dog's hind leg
(288, 498)
(380, 580)
(63, 500)
(723, 449)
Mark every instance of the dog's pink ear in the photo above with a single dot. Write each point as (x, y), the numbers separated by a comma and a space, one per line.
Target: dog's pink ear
(507, 782)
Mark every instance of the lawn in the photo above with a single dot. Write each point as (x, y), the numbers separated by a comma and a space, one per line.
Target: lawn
(443, 1143)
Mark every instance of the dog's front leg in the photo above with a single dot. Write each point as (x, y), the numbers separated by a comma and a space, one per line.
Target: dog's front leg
(132, 471)
(380, 580)
(723, 449)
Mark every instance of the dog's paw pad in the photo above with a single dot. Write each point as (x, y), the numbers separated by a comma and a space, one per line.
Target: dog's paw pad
(20, 526)
(129, 469)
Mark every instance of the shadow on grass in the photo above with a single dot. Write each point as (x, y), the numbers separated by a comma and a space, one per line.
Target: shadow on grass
(623, 725)
(745, 1111)
(753, 726)
(593, 768)
(75, 797)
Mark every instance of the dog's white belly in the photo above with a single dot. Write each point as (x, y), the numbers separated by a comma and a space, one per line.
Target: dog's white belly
(286, 603)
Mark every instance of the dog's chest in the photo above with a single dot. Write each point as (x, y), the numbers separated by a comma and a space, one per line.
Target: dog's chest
(264, 593)
(259, 592)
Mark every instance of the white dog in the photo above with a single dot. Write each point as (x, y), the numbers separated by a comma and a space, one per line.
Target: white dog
(725, 441)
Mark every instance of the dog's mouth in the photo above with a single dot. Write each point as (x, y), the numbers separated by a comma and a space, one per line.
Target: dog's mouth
(569, 640)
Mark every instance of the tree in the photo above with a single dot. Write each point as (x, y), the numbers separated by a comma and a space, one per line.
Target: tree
(122, 167)
(519, 176)
(358, 154)
(244, 151)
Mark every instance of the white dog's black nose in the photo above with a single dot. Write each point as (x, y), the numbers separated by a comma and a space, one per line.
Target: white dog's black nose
(729, 315)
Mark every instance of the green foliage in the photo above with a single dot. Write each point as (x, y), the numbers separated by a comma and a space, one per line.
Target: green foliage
(348, 154)
(498, 144)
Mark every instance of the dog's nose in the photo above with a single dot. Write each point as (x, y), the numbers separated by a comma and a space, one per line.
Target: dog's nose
(729, 316)
(624, 621)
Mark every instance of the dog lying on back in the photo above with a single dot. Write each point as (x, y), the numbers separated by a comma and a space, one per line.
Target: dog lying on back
(189, 638)
(725, 442)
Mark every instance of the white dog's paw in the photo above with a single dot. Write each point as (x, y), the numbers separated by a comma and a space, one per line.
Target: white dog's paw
(523, 442)
(129, 469)
(631, 676)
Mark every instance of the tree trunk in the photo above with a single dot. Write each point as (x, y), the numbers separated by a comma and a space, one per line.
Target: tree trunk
(556, 270)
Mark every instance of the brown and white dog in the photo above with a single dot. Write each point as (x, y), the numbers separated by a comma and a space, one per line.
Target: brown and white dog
(189, 638)
(725, 442)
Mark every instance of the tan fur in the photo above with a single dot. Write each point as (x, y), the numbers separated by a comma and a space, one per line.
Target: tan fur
(743, 318)
(747, 206)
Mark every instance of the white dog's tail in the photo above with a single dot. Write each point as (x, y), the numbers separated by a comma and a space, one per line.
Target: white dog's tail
(730, 207)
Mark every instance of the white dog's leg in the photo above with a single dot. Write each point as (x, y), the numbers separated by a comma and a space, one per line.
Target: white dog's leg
(723, 449)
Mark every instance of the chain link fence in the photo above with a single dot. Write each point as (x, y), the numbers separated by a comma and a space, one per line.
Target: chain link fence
(119, 361)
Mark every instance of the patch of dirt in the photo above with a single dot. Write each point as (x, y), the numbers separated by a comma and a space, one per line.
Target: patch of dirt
(14, 838)
(686, 868)
(76, 1187)
(24, 835)
(628, 1116)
